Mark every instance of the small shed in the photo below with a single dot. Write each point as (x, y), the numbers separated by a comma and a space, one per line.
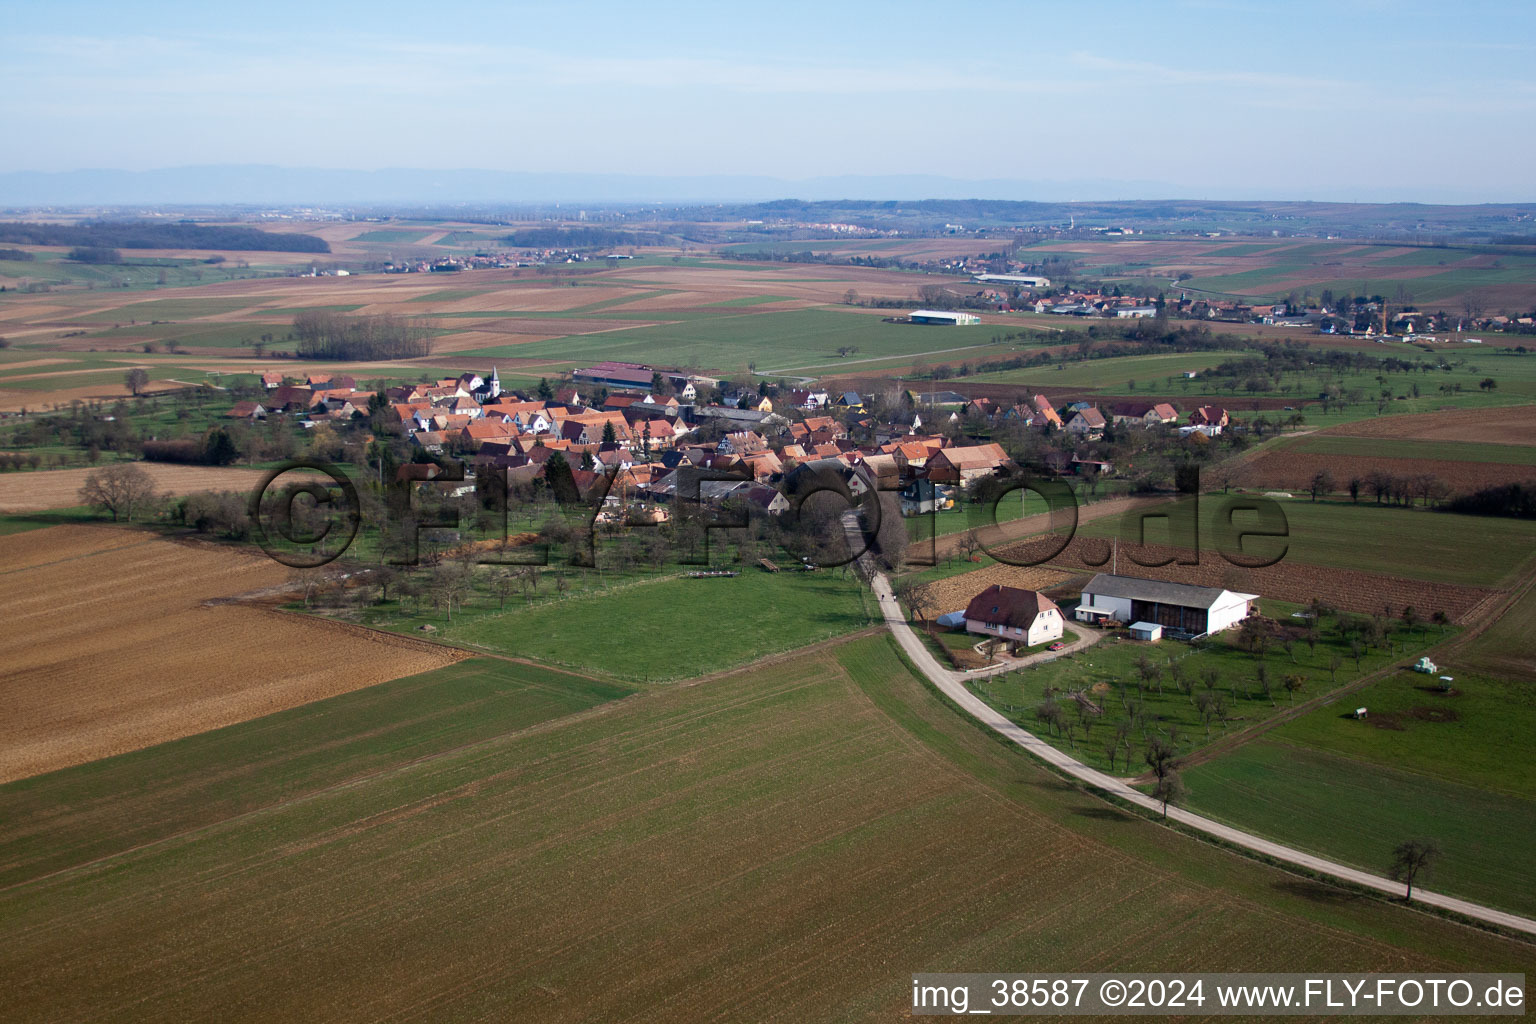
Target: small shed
(1149, 631)
(1359, 712)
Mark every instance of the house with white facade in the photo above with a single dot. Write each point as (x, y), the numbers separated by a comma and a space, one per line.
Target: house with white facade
(1023, 618)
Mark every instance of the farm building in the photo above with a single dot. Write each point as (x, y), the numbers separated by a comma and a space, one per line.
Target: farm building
(1025, 280)
(1148, 631)
(1181, 609)
(939, 316)
(1024, 618)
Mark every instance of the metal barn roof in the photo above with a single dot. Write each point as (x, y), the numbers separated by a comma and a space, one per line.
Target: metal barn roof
(1184, 595)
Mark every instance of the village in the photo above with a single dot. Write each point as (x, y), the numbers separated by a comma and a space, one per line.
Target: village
(634, 426)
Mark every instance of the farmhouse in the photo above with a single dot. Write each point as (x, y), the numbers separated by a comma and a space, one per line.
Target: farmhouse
(1144, 414)
(1184, 611)
(1210, 416)
(1086, 423)
(963, 465)
(1024, 618)
(939, 316)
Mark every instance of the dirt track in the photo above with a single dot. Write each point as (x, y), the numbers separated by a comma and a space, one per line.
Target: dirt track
(107, 646)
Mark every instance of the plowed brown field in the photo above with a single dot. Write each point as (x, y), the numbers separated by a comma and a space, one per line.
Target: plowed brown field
(1516, 425)
(955, 592)
(1293, 471)
(60, 488)
(107, 646)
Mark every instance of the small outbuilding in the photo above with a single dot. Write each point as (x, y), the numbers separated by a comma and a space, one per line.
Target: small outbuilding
(1148, 631)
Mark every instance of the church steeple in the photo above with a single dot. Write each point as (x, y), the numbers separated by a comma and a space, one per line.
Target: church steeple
(495, 383)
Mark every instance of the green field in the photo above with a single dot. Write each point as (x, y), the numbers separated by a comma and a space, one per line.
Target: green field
(1447, 766)
(1508, 647)
(804, 836)
(1357, 812)
(1149, 373)
(729, 342)
(392, 236)
(1420, 543)
(710, 624)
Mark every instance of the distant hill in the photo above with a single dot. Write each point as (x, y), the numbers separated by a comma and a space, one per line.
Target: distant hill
(231, 184)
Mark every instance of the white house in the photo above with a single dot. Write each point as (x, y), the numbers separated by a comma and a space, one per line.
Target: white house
(1024, 618)
(1181, 609)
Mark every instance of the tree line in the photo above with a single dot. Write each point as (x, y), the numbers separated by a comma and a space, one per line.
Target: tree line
(326, 335)
(152, 235)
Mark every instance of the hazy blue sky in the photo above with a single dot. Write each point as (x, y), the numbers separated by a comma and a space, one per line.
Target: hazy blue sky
(1210, 96)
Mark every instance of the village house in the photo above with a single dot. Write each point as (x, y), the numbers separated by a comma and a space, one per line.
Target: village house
(965, 465)
(1022, 618)
(1209, 416)
(1144, 414)
(1086, 423)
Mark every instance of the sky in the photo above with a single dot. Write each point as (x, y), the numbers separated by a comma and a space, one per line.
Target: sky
(1197, 99)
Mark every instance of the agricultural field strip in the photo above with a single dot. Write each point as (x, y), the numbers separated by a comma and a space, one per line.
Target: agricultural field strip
(361, 778)
(954, 688)
(146, 603)
(908, 895)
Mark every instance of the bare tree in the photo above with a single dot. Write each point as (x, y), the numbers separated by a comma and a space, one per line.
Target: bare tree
(1163, 761)
(118, 489)
(1411, 858)
(136, 380)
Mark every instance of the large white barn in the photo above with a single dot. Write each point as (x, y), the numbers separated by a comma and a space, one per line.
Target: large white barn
(1181, 609)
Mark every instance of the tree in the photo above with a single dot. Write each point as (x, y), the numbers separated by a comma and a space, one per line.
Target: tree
(1411, 858)
(136, 380)
(557, 473)
(915, 596)
(1162, 759)
(1488, 384)
(118, 489)
(219, 448)
(1294, 683)
(609, 435)
(546, 391)
(1322, 483)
